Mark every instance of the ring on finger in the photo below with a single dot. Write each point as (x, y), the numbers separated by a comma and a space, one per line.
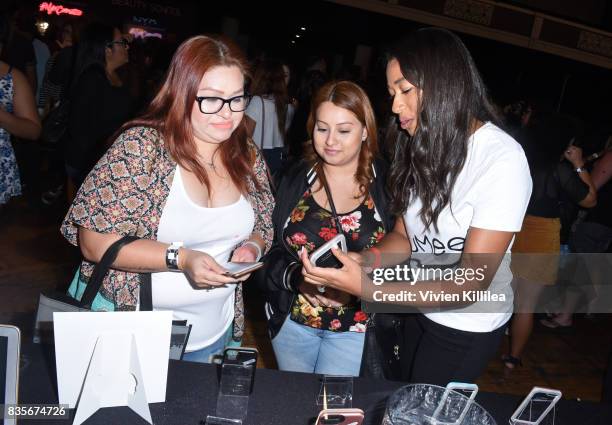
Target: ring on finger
(321, 289)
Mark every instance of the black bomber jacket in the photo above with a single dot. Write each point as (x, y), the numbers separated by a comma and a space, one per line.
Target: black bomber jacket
(282, 272)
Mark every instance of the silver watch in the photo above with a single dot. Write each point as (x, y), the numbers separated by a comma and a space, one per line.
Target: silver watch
(172, 254)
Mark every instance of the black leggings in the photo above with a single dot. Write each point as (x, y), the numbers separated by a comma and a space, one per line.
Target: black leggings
(437, 354)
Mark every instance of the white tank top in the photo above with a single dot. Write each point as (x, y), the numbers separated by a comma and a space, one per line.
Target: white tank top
(215, 231)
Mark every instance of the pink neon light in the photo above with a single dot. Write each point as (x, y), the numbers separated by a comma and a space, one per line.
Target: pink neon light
(51, 8)
(141, 33)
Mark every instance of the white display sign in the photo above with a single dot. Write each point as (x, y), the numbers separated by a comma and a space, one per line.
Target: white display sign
(110, 359)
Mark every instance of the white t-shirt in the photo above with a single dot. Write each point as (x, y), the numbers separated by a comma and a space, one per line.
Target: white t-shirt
(491, 192)
(272, 136)
(215, 231)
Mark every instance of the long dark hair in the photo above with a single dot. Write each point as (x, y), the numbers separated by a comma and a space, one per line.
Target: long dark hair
(91, 49)
(454, 96)
(269, 80)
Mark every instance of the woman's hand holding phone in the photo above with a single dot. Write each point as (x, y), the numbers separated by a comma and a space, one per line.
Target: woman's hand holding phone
(201, 269)
(346, 279)
(323, 256)
(244, 254)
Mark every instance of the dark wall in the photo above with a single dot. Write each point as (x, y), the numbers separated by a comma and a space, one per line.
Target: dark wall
(587, 11)
(334, 31)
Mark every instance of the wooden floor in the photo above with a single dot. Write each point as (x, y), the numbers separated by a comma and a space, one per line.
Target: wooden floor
(36, 257)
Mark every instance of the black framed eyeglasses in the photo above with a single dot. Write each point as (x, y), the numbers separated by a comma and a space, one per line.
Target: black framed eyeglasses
(124, 42)
(212, 105)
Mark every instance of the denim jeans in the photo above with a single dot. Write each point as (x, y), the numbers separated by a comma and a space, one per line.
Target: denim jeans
(300, 348)
(206, 354)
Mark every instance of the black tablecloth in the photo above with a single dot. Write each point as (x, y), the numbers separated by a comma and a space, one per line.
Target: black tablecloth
(279, 398)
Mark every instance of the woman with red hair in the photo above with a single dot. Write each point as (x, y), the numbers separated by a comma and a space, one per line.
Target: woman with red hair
(185, 178)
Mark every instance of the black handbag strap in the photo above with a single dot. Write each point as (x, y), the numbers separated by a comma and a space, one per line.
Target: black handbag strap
(332, 205)
(146, 293)
(95, 281)
(263, 122)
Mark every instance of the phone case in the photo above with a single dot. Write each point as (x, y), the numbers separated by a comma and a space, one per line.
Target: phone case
(340, 417)
(239, 269)
(324, 257)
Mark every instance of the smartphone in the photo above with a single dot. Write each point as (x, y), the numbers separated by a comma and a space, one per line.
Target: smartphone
(239, 269)
(340, 417)
(323, 255)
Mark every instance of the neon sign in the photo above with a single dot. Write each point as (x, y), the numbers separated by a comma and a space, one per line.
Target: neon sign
(51, 8)
(142, 33)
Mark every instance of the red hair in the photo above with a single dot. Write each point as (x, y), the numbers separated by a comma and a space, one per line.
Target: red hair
(170, 110)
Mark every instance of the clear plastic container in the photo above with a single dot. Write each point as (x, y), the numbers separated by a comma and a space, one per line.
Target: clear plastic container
(424, 404)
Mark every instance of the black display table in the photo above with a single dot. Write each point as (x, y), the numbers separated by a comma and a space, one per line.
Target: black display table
(279, 398)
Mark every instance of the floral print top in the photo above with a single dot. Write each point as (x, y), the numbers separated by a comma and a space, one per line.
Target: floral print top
(310, 226)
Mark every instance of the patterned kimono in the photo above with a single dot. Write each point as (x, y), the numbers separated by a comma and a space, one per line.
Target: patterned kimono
(125, 194)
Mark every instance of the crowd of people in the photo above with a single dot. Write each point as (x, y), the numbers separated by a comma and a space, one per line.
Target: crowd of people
(215, 160)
